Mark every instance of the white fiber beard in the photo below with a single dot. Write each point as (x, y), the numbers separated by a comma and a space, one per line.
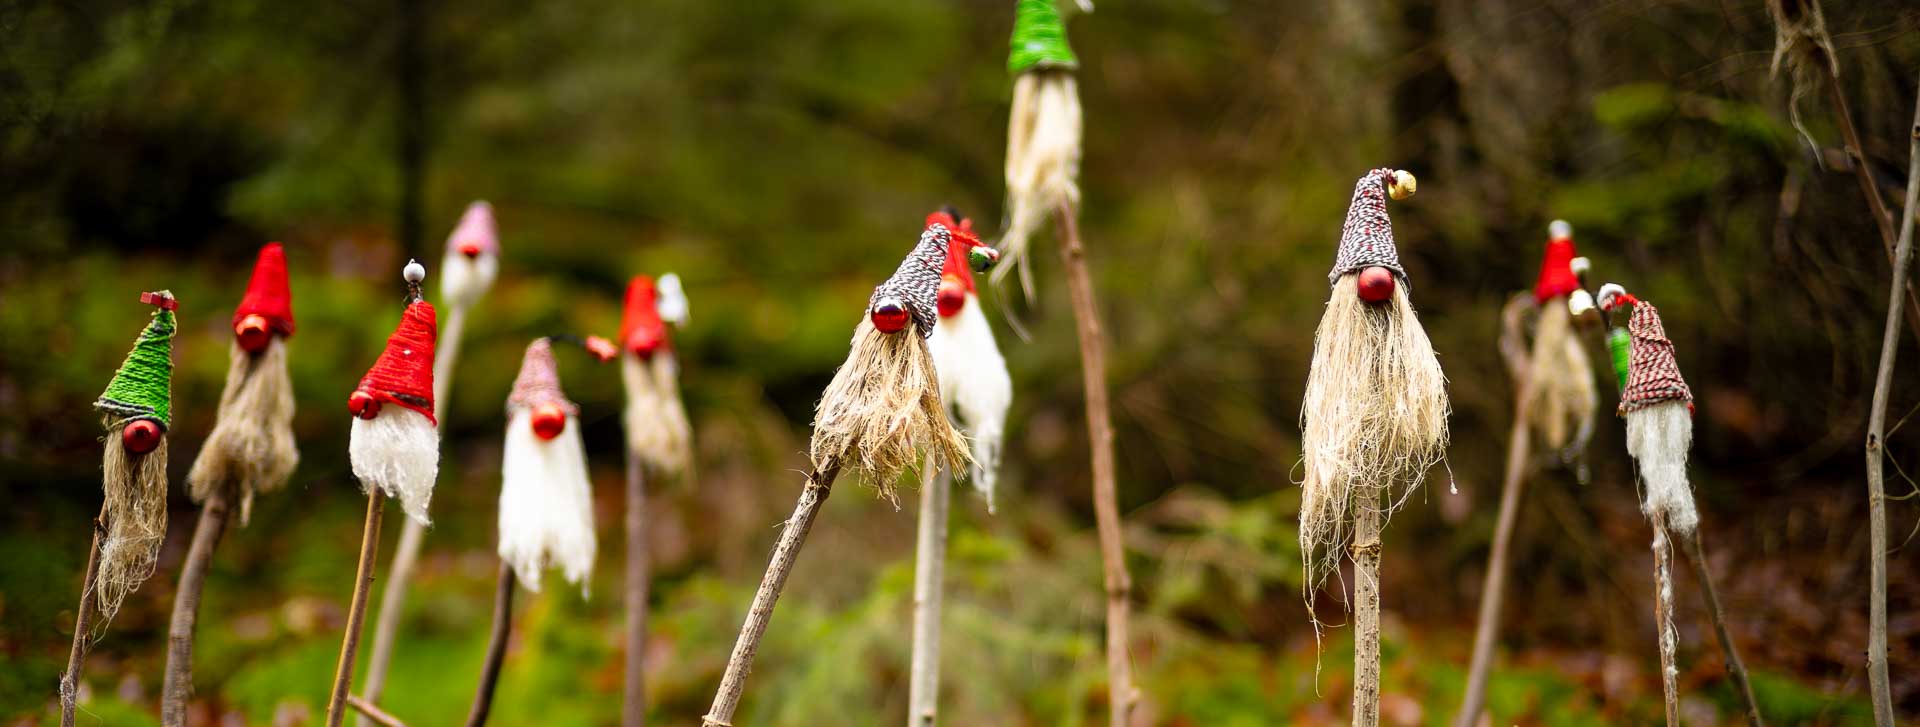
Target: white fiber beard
(546, 503)
(655, 420)
(975, 384)
(463, 280)
(398, 451)
(1658, 437)
(1043, 162)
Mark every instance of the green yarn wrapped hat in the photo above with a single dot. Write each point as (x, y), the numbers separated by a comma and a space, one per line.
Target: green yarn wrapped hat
(1039, 38)
(143, 387)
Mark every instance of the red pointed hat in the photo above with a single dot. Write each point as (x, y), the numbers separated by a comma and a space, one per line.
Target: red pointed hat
(267, 295)
(539, 380)
(641, 329)
(476, 233)
(403, 375)
(964, 240)
(1556, 269)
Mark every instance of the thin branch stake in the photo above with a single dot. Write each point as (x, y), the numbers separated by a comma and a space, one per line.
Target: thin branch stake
(633, 709)
(357, 613)
(929, 573)
(496, 647)
(82, 626)
(1736, 669)
(178, 687)
(367, 710)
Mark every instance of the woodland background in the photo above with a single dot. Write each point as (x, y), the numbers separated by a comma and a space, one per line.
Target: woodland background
(780, 156)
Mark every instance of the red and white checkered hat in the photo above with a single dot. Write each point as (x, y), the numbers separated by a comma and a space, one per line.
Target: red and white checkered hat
(1653, 375)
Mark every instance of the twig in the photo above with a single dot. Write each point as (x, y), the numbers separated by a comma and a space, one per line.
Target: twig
(357, 613)
(1736, 669)
(379, 716)
(1493, 589)
(178, 687)
(496, 647)
(1876, 424)
(82, 625)
(633, 710)
(1106, 508)
(1365, 553)
(1663, 619)
(734, 682)
(929, 571)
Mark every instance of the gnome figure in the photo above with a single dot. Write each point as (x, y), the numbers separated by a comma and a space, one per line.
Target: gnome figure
(137, 408)
(546, 501)
(1374, 418)
(973, 376)
(394, 445)
(655, 420)
(251, 448)
(472, 260)
(1043, 129)
(1563, 396)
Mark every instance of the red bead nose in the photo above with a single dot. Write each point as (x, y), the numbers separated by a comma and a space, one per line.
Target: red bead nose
(363, 405)
(549, 420)
(140, 436)
(252, 333)
(953, 297)
(889, 316)
(1375, 284)
(469, 249)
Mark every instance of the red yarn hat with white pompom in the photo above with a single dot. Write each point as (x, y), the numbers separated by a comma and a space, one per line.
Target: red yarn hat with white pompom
(268, 301)
(476, 232)
(1556, 269)
(642, 330)
(956, 277)
(403, 375)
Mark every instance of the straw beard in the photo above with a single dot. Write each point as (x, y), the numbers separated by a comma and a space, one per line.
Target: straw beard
(1564, 398)
(1373, 421)
(656, 422)
(882, 407)
(135, 512)
(1043, 162)
(464, 280)
(251, 448)
(1658, 437)
(546, 503)
(974, 381)
(398, 451)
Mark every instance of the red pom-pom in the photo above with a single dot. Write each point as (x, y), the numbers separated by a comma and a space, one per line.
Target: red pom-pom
(1375, 284)
(953, 296)
(252, 332)
(140, 436)
(890, 316)
(363, 405)
(549, 420)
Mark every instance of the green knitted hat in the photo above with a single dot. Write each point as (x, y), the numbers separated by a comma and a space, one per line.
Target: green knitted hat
(143, 387)
(1039, 38)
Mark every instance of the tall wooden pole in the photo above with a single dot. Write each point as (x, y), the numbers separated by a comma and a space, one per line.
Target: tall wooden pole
(1365, 552)
(496, 647)
(82, 625)
(178, 686)
(357, 612)
(633, 710)
(929, 575)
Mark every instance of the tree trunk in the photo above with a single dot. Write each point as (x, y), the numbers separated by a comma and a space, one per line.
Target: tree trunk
(357, 612)
(1366, 613)
(178, 687)
(496, 647)
(929, 572)
(633, 711)
(82, 625)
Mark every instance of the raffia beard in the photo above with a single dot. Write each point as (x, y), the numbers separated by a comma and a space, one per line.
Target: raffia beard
(463, 280)
(1373, 421)
(546, 504)
(882, 408)
(1043, 162)
(975, 383)
(1658, 437)
(655, 420)
(251, 448)
(1564, 399)
(397, 451)
(135, 512)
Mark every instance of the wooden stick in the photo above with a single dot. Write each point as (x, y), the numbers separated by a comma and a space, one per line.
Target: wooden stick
(1877, 677)
(357, 612)
(929, 573)
(633, 709)
(734, 682)
(1365, 552)
(1663, 619)
(178, 686)
(1106, 508)
(1493, 588)
(496, 647)
(367, 710)
(1736, 669)
(82, 624)
(1875, 206)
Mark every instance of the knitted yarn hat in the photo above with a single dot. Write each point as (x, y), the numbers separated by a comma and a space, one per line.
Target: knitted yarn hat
(267, 295)
(1039, 38)
(143, 387)
(1556, 269)
(1653, 376)
(403, 375)
(539, 380)
(958, 266)
(475, 231)
(1366, 240)
(642, 330)
(916, 283)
